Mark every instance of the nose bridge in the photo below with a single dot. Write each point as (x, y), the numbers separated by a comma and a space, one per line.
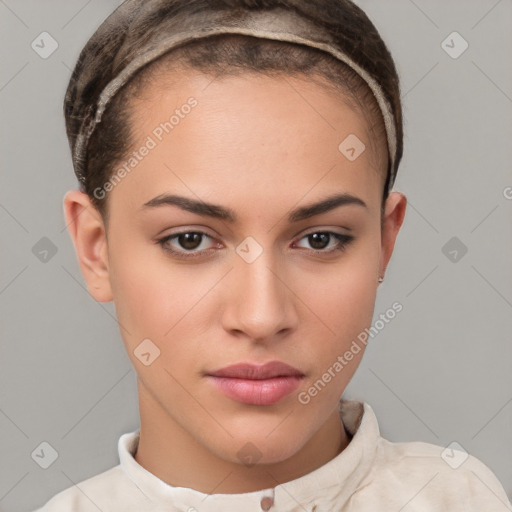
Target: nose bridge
(260, 301)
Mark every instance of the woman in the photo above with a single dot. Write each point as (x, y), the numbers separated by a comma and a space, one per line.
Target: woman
(236, 160)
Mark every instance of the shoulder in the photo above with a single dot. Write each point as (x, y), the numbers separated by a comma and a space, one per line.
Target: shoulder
(104, 491)
(435, 478)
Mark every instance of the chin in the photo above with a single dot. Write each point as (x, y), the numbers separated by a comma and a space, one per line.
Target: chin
(258, 445)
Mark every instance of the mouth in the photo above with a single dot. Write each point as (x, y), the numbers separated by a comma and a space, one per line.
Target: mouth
(256, 385)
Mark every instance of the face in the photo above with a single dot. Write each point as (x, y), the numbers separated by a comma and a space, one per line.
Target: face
(257, 277)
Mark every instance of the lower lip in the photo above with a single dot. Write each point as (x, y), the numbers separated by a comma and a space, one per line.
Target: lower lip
(257, 392)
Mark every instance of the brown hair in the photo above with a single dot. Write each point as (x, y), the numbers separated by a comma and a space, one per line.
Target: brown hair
(113, 46)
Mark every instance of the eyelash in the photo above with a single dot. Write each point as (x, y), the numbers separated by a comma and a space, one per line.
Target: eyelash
(343, 242)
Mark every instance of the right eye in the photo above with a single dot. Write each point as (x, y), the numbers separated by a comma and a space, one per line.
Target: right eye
(189, 241)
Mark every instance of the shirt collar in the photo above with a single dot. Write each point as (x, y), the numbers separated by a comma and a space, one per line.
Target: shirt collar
(335, 481)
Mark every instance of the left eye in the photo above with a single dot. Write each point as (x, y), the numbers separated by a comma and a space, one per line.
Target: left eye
(190, 242)
(320, 239)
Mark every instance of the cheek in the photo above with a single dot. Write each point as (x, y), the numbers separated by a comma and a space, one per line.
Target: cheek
(154, 297)
(345, 308)
(345, 295)
(343, 301)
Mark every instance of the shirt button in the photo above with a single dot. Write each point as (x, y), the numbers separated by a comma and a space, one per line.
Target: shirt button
(266, 503)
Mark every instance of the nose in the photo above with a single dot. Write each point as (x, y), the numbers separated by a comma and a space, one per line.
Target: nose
(259, 300)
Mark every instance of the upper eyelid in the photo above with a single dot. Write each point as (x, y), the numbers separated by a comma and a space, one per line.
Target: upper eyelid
(307, 232)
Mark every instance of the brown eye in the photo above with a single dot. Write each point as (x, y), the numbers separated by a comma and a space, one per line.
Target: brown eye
(185, 244)
(189, 240)
(320, 240)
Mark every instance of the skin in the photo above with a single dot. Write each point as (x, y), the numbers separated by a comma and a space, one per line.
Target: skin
(254, 145)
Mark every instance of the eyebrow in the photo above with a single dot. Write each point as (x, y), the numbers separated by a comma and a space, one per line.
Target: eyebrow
(220, 212)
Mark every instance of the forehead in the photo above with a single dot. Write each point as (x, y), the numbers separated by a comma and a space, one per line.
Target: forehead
(248, 134)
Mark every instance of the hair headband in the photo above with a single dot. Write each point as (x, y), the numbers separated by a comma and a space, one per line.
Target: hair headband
(277, 24)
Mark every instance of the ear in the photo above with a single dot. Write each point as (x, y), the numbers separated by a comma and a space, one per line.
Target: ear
(394, 213)
(85, 225)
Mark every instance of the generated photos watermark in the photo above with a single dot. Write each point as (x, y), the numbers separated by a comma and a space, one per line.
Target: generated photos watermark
(304, 397)
(157, 135)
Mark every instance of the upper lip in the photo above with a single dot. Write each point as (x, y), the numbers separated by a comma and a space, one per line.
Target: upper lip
(257, 372)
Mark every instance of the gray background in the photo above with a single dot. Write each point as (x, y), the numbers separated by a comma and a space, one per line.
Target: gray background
(439, 372)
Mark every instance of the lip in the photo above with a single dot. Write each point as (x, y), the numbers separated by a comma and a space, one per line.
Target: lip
(257, 372)
(256, 384)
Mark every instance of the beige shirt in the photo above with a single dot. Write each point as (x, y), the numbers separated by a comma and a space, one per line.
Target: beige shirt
(370, 474)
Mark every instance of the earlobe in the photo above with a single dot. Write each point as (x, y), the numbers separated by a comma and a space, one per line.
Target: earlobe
(87, 231)
(394, 214)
